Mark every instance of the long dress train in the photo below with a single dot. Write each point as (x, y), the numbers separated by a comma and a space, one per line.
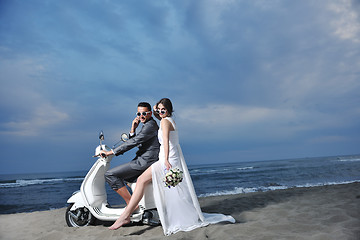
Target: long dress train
(178, 207)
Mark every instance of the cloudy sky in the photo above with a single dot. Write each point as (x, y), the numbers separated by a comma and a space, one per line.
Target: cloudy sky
(249, 80)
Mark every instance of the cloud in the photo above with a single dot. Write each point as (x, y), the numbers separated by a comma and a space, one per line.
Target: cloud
(43, 117)
(26, 110)
(329, 139)
(346, 22)
(251, 123)
(237, 121)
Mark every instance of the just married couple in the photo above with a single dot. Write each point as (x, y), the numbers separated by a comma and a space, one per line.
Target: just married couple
(159, 151)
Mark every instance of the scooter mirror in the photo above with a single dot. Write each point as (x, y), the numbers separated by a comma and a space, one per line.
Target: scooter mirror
(124, 137)
(101, 136)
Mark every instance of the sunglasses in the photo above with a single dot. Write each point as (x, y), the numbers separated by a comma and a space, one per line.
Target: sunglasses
(161, 111)
(142, 113)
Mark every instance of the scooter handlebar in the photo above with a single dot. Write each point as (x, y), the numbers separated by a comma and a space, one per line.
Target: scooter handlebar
(102, 155)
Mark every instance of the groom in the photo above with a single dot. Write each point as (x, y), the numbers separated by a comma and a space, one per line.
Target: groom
(147, 141)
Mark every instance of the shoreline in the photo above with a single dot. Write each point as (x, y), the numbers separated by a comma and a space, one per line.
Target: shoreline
(276, 188)
(323, 212)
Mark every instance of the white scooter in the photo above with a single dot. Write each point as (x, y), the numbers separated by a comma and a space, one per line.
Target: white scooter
(90, 202)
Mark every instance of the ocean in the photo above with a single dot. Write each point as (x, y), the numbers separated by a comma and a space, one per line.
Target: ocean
(46, 191)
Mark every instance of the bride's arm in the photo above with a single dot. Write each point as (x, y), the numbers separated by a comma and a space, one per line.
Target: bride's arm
(165, 127)
(155, 113)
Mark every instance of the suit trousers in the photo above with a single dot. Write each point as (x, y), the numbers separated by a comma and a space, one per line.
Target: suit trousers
(118, 176)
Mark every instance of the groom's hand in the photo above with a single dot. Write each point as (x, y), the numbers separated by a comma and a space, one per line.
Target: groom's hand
(103, 154)
(135, 124)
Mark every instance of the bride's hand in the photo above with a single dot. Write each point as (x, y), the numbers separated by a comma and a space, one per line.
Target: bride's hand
(167, 165)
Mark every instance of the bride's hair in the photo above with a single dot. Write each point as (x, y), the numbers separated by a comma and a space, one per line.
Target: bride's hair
(167, 104)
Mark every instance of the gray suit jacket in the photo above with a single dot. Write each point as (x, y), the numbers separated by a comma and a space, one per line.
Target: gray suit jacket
(147, 141)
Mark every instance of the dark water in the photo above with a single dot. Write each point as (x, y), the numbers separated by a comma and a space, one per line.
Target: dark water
(37, 192)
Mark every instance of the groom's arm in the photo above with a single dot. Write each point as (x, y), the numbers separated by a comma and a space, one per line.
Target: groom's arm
(148, 131)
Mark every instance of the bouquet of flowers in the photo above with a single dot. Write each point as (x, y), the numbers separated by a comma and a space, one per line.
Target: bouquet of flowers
(173, 177)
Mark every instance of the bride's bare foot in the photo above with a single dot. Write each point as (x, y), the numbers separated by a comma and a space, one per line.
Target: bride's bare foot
(120, 222)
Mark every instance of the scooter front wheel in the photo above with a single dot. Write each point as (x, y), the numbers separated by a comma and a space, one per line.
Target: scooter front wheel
(80, 217)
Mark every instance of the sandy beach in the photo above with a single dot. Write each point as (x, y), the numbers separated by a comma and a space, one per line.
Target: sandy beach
(328, 212)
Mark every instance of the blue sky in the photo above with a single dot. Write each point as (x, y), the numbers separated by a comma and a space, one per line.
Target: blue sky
(249, 80)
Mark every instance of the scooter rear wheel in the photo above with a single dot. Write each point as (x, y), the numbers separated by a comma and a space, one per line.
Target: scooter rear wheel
(80, 217)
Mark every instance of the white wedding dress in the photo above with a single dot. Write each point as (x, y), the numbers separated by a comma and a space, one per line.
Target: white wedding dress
(178, 206)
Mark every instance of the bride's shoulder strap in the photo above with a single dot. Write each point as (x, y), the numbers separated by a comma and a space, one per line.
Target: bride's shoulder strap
(172, 122)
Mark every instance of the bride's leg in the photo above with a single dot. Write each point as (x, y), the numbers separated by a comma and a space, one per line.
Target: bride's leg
(138, 193)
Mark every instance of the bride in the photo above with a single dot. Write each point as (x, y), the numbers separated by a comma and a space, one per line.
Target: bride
(178, 207)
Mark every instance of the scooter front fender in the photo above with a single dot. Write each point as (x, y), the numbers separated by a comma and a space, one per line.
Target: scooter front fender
(77, 201)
